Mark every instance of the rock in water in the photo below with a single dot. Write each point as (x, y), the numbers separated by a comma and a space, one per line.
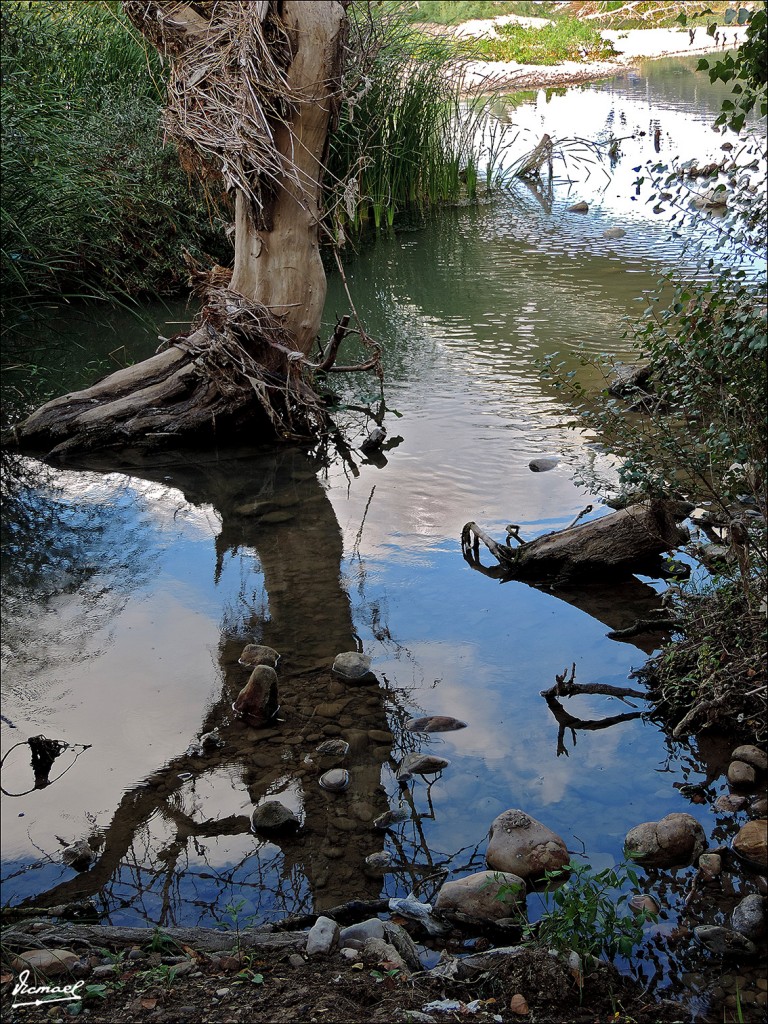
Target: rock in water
(374, 440)
(750, 754)
(257, 703)
(674, 841)
(255, 654)
(544, 464)
(79, 855)
(523, 846)
(435, 723)
(272, 816)
(377, 863)
(420, 764)
(335, 781)
(474, 898)
(353, 668)
(335, 747)
(581, 207)
(725, 942)
(614, 233)
(748, 917)
(389, 818)
(751, 843)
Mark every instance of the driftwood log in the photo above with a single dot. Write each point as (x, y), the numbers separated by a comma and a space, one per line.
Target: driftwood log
(616, 544)
(204, 940)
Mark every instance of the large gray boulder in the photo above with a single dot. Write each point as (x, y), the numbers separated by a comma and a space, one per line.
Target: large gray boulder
(523, 846)
(674, 841)
(474, 899)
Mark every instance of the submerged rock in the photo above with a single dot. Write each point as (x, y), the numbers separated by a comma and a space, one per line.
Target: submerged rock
(272, 816)
(643, 903)
(335, 747)
(725, 942)
(434, 723)
(377, 863)
(616, 232)
(674, 841)
(255, 654)
(353, 668)
(257, 702)
(523, 846)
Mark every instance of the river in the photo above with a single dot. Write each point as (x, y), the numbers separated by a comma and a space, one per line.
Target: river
(130, 589)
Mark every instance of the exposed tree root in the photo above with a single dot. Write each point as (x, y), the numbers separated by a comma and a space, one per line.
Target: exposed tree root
(237, 370)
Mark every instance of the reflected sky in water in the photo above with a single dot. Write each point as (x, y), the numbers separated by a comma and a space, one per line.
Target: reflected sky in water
(129, 595)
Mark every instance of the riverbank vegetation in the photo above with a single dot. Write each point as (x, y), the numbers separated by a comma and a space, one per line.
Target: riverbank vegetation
(97, 203)
(692, 422)
(94, 205)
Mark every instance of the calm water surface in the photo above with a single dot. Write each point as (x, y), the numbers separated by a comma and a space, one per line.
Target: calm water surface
(127, 596)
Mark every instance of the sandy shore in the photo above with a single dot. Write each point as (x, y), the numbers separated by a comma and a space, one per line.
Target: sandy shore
(631, 46)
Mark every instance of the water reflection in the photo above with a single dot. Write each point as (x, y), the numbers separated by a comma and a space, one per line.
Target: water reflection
(271, 511)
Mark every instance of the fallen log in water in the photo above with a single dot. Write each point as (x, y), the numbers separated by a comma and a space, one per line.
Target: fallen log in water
(616, 544)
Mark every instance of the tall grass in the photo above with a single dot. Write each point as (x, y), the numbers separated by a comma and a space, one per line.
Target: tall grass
(452, 12)
(406, 141)
(93, 205)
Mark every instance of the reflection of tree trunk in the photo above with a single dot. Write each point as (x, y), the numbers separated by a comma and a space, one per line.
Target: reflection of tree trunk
(273, 504)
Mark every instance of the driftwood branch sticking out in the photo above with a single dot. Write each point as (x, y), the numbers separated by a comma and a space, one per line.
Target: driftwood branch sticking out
(567, 687)
(616, 544)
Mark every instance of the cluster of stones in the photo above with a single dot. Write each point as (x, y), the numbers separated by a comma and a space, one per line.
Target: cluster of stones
(257, 705)
(678, 840)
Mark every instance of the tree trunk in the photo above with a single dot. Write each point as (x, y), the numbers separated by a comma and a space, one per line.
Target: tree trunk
(253, 92)
(616, 544)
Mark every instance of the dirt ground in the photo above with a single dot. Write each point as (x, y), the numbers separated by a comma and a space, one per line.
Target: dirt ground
(274, 990)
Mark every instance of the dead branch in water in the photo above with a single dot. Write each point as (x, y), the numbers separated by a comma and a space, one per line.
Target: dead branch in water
(614, 545)
(565, 687)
